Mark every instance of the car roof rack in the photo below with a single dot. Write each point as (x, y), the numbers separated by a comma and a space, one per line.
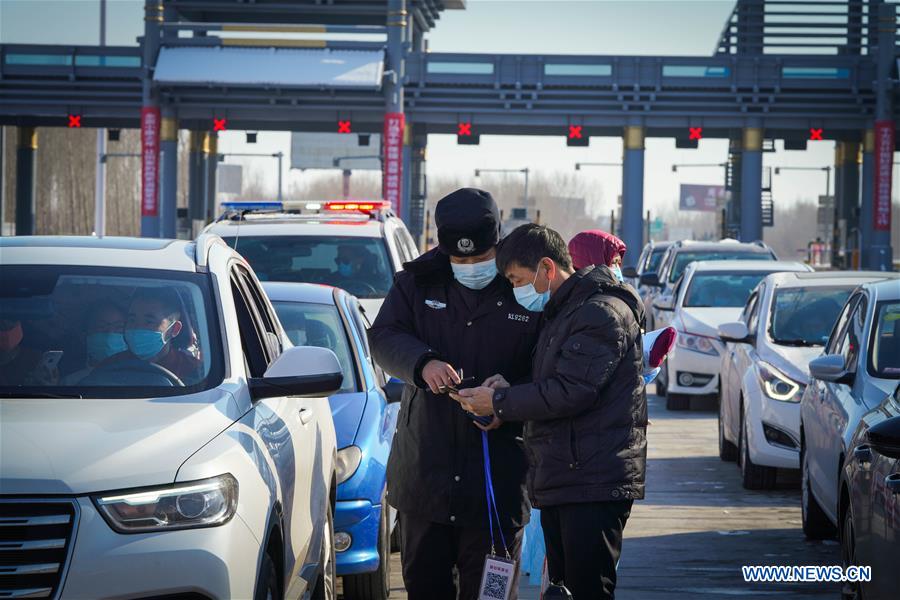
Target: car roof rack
(376, 210)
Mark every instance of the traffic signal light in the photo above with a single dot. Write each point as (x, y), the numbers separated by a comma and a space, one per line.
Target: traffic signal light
(577, 136)
(464, 134)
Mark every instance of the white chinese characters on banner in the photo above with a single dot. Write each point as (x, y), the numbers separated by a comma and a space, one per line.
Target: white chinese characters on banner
(884, 158)
(393, 159)
(149, 161)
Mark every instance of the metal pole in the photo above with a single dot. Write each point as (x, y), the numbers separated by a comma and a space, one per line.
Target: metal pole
(392, 168)
(866, 205)
(345, 175)
(153, 17)
(2, 177)
(751, 185)
(885, 132)
(280, 156)
(525, 170)
(168, 209)
(100, 186)
(632, 192)
(25, 180)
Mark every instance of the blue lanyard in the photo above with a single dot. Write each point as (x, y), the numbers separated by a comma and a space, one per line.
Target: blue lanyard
(489, 494)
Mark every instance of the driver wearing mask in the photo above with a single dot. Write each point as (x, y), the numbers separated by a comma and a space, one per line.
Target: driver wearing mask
(349, 261)
(153, 323)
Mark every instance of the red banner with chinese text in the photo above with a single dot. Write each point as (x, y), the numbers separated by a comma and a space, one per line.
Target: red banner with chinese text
(150, 161)
(392, 169)
(884, 158)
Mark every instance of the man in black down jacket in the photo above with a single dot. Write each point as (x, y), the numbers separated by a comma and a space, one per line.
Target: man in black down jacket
(585, 412)
(449, 310)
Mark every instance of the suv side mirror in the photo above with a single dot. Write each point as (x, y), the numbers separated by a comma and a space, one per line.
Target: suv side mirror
(650, 279)
(630, 272)
(884, 438)
(393, 390)
(830, 367)
(300, 371)
(734, 332)
(665, 302)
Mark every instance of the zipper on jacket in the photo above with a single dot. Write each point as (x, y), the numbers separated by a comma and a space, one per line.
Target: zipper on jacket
(573, 442)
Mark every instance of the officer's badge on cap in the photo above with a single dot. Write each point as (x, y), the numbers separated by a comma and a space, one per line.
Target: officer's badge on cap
(468, 222)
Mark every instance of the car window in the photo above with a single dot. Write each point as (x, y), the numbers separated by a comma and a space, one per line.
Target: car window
(837, 331)
(753, 321)
(850, 342)
(719, 289)
(804, 316)
(676, 289)
(104, 332)
(884, 358)
(359, 265)
(266, 318)
(308, 324)
(749, 309)
(684, 258)
(654, 260)
(253, 336)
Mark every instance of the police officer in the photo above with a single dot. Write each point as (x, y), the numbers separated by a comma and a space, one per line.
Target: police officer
(447, 313)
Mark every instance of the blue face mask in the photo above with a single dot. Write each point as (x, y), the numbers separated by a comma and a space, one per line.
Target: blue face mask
(617, 271)
(345, 269)
(145, 343)
(530, 298)
(101, 345)
(476, 276)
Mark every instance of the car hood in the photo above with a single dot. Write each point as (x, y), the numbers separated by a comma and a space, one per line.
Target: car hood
(347, 411)
(706, 321)
(793, 361)
(71, 446)
(371, 306)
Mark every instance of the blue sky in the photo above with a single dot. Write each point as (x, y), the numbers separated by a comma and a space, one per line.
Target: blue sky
(537, 26)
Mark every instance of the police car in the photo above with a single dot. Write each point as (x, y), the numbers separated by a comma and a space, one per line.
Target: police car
(353, 245)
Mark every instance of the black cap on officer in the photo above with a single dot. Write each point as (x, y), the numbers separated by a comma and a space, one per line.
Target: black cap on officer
(468, 222)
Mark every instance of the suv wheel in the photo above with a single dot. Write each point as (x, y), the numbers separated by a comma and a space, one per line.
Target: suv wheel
(753, 477)
(375, 585)
(267, 580)
(850, 590)
(727, 450)
(325, 582)
(816, 525)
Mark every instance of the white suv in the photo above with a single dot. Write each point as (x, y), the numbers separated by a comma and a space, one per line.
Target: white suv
(707, 294)
(783, 326)
(159, 434)
(356, 246)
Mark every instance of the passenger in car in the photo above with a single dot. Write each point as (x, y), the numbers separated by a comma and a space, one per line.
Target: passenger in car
(152, 329)
(104, 337)
(18, 363)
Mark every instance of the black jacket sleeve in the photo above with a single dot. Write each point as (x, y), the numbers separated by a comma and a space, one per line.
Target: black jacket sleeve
(392, 336)
(589, 356)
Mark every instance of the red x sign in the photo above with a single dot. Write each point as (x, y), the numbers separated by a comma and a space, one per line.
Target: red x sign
(575, 132)
(696, 133)
(74, 121)
(464, 129)
(343, 126)
(219, 124)
(815, 134)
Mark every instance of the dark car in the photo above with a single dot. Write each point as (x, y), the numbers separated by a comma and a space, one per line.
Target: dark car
(870, 502)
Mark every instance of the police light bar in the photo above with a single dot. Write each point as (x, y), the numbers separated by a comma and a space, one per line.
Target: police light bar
(355, 206)
(252, 205)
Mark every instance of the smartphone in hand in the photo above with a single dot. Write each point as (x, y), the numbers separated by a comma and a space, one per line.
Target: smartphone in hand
(463, 384)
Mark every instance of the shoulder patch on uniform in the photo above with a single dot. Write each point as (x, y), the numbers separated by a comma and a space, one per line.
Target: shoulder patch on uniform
(435, 304)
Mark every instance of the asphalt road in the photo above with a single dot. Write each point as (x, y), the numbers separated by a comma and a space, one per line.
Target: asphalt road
(697, 526)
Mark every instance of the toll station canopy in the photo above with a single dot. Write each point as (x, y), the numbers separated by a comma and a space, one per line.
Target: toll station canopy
(278, 67)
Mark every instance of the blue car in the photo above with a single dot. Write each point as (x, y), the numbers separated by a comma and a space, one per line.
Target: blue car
(365, 417)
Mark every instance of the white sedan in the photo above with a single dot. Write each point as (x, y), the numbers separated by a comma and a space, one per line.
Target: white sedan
(785, 324)
(708, 294)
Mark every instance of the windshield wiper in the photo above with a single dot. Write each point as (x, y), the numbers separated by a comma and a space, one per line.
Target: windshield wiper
(794, 342)
(39, 395)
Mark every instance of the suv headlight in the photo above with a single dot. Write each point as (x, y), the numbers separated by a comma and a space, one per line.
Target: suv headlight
(348, 460)
(777, 385)
(204, 503)
(697, 343)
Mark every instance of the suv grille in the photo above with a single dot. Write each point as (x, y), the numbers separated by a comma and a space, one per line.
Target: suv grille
(35, 544)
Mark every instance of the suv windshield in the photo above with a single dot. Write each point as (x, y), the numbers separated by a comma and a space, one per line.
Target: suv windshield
(308, 324)
(720, 289)
(683, 259)
(884, 358)
(804, 316)
(106, 332)
(359, 265)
